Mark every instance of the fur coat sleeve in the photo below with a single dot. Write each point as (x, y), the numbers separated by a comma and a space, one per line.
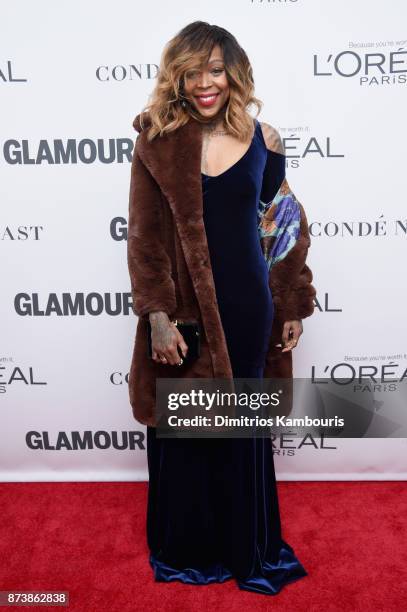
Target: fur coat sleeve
(290, 277)
(284, 237)
(152, 285)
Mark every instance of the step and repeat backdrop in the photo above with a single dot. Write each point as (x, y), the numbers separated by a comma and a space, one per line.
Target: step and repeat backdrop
(73, 75)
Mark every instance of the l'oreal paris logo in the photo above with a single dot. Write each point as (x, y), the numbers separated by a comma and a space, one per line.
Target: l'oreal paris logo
(370, 371)
(8, 73)
(377, 66)
(12, 375)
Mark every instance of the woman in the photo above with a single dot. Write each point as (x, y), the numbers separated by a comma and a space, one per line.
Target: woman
(215, 235)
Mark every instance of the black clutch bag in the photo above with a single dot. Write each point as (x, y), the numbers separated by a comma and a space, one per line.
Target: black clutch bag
(190, 331)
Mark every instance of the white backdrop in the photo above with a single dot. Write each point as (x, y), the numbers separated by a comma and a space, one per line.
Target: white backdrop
(73, 75)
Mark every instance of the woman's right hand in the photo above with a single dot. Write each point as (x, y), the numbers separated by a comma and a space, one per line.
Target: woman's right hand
(165, 339)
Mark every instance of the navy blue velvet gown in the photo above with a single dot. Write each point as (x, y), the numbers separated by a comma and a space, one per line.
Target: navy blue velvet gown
(213, 510)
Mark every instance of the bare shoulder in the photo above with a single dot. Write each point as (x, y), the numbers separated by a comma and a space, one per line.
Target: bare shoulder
(272, 138)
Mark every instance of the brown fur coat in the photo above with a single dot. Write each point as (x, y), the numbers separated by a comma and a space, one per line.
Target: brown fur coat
(169, 265)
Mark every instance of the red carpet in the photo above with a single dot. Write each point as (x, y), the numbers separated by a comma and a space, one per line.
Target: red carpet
(88, 539)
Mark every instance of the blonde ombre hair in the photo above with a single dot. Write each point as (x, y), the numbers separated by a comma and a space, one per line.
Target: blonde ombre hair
(187, 50)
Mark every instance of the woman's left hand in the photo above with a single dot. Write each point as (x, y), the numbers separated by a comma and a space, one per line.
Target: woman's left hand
(292, 331)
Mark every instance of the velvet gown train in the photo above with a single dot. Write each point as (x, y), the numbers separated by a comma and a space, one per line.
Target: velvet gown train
(213, 510)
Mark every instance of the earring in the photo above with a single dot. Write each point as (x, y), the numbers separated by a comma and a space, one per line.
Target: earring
(183, 103)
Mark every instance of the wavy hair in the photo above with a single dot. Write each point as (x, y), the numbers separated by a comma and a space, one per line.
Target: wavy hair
(187, 50)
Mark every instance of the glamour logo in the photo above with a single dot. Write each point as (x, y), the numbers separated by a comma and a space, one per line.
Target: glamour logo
(71, 305)
(7, 74)
(15, 375)
(21, 232)
(85, 440)
(71, 151)
(127, 73)
(358, 229)
(386, 67)
(118, 229)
